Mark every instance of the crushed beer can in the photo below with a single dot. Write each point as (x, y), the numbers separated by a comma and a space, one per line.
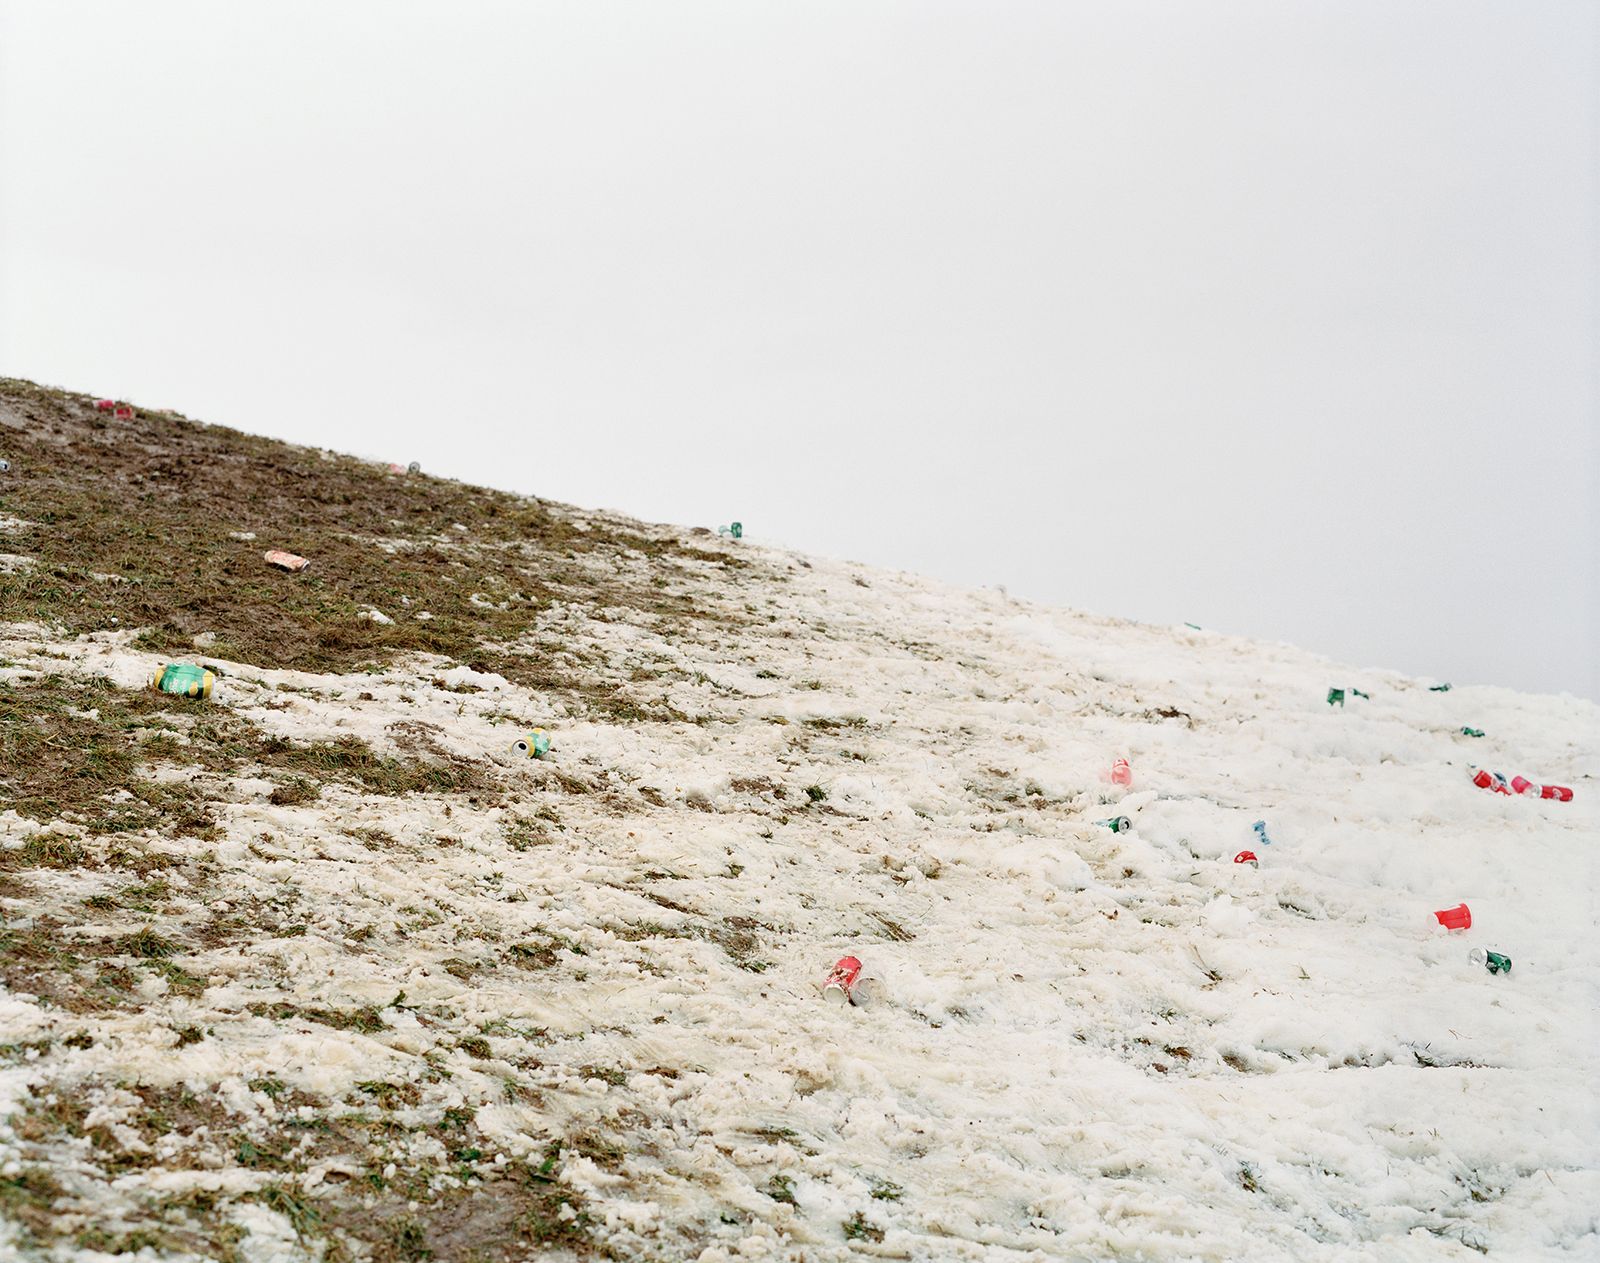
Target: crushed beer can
(1247, 857)
(105, 405)
(1438, 688)
(415, 467)
(5, 466)
(841, 984)
(1260, 826)
(1335, 695)
(285, 561)
(734, 529)
(123, 411)
(1117, 824)
(535, 745)
(184, 679)
(1485, 779)
(1472, 732)
(1456, 918)
(1494, 962)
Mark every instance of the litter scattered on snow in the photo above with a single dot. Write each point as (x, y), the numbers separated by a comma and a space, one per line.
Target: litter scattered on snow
(1456, 918)
(1497, 782)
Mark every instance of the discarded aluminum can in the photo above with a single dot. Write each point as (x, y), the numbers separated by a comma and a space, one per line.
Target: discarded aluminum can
(1456, 918)
(841, 983)
(286, 561)
(1438, 688)
(1558, 792)
(1117, 824)
(105, 405)
(1335, 695)
(1485, 779)
(533, 746)
(1247, 857)
(1121, 773)
(123, 411)
(1194, 626)
(735, 529)
(5, 467)
(1472, 732)
(1260, 826)
(185, 680)
(415, 467)
(1494, 962)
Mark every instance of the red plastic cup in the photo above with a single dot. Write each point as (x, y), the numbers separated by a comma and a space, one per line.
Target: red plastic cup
(841, 982)
(1559, 792)
(1456, 918)
(1522, 784)
(1247, 857)
(1121, 773)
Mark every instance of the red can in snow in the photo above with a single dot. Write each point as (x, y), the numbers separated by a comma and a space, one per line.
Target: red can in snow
(1559, 792)
(1456, 918)
(841, 982)
(123, 411)
(1490, 780)
(1247, 857)
(1121, 773)
(105, 405)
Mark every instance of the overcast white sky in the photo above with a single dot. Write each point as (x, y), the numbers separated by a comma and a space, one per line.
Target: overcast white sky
(1281, 318)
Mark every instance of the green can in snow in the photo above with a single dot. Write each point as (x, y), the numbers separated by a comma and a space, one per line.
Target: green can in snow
(734, 529)
(535, 745)
(1335, 695)
(1438, 688)
(1494, 962)
(1117, 824)
(184, 679)
(1472, 732)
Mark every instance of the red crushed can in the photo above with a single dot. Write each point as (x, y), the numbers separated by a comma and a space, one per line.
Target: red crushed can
(1559, 792)
(1456, 918)
(1247, 857)
(1121, 773)
(1490, 780)
(842, 981)
(124, 411)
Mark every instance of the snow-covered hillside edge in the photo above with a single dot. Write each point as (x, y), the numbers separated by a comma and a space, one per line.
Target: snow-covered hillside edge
(591, 984)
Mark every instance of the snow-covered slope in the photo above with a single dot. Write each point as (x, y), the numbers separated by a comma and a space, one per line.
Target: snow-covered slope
(575, 1004)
